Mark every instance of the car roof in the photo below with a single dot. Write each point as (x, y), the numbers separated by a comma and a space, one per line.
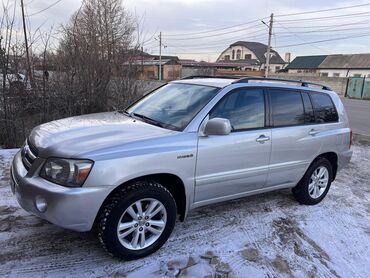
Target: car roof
(221, 82)
(213, 82)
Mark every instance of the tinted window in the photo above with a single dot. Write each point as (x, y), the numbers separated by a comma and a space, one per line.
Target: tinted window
(287, 108)
(308, 110)
(245, 109)
(323, 106)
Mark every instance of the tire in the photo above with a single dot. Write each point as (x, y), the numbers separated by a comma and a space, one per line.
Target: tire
(306, 194)
(117, 210)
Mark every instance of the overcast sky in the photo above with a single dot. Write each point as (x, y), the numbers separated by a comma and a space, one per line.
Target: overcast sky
(178, 19)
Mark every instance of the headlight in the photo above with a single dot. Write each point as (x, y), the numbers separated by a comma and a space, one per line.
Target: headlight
(67, 172)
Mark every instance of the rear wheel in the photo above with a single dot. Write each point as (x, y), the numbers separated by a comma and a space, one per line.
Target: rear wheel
(137, 220)
(315, 184)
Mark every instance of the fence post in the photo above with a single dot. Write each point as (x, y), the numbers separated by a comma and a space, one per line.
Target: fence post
(363, 87)
(346, 92)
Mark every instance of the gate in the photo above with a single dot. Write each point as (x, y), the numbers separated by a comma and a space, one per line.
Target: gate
(358, 87)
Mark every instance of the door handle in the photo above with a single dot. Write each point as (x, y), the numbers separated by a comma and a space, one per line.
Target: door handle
(313, 132)
(262, 139)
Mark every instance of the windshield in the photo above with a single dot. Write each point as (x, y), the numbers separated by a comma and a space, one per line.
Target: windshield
(173, 106)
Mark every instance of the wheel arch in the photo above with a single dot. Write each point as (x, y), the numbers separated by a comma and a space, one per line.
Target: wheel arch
(332, 157)
(171, 182)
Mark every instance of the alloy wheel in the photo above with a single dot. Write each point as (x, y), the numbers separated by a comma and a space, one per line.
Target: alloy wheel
(318, 182)
(142, 224)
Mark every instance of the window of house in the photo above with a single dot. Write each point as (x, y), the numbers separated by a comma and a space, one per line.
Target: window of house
(287, 108)
(247, 56)
(324, 74)
(277, 68)
(336, 74)
(244, 108)
(233, 54)
(227, 57)
(238, 54)
(324, 108)
(357, 75)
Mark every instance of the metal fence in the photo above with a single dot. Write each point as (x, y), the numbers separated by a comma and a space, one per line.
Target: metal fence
(358, 87)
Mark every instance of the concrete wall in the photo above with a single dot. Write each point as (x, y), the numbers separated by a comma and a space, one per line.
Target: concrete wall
(191, 71)
(171, 72)
(345, 73)
(149, 72)
(337, 84)
(304, 71)
(332, 72)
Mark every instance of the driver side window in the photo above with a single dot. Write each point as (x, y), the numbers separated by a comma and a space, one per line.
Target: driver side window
(244, 108)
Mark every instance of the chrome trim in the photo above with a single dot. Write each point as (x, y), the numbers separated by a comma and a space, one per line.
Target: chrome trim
(28, 156)
(26, 162)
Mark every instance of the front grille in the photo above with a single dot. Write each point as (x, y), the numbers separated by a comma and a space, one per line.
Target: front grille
(29, 154)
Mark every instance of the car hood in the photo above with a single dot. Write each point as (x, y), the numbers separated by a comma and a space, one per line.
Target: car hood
(81, 135)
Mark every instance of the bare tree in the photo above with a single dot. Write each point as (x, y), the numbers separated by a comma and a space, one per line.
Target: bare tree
(93, 69)
(94, 51)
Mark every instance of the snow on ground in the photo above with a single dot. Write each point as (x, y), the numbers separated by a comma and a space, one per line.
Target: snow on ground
(268, 235)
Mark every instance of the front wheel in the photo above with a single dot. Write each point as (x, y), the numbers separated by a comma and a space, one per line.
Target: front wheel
(315, 184)
(137, 220)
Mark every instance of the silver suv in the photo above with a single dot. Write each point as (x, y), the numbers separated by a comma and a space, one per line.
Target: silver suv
(189, 143)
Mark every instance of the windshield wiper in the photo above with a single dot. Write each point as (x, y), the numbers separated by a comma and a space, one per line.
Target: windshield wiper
(148, 120)
(125, 112)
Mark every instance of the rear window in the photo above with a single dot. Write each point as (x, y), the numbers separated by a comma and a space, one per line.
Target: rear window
(287, 108)
(324, 108)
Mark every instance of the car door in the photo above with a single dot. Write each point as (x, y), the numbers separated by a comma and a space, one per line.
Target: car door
(233, 164)
(295, 139)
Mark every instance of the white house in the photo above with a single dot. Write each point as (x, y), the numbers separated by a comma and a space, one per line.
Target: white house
(254, 53)
(338, 65)
(346, 65)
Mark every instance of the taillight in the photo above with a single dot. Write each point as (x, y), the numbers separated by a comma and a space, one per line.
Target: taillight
(350, 138)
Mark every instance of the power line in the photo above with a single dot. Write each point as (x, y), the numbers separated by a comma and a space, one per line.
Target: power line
(334, 26)
(321, 11)
(215, 30)
(48, 7)
(223, 41)
(326, 40)
(244, 36)
(302, 39)
(216, 35)
(195, 53)
(150, 39)
(324, 30)
(325, 17)
(283, 15)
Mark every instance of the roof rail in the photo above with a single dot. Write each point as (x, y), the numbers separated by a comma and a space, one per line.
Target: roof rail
(303, 83)
(212, 76)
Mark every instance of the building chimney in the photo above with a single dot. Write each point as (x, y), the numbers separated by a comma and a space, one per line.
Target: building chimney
(287, 57)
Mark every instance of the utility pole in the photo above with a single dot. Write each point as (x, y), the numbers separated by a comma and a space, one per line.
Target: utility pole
(267, 64)
(160, 56)
(26, 45)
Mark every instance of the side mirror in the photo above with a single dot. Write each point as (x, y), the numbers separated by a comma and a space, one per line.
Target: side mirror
(217, 126)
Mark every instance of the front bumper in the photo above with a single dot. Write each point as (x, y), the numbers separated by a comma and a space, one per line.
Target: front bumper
(70, 208)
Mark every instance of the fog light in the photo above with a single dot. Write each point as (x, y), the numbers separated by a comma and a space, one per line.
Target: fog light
(41, 204)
